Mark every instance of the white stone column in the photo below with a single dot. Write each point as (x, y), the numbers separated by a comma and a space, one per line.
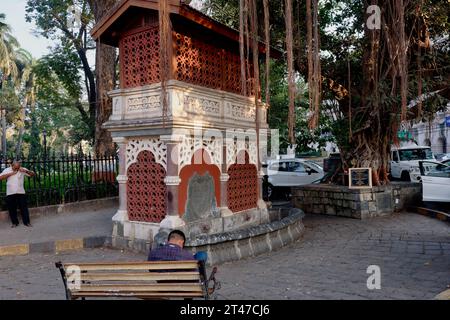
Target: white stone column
(261, 203)
(224, 210)
(260, 172)
(122, 213)
(224, 177)
(172, 181)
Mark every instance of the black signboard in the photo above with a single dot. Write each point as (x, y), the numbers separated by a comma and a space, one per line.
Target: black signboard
(360, 178)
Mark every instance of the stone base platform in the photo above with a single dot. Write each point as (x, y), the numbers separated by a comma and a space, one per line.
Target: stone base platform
(129, 231)
(356, 203)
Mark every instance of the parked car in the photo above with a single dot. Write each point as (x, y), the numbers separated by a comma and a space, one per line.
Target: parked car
(435, 181)
(442, 157)
(405, 162)
(282, 174)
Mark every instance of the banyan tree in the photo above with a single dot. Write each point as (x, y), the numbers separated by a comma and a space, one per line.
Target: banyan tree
(396, 61)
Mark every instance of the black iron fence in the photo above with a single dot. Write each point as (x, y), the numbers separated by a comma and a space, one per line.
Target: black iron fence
(66, 179)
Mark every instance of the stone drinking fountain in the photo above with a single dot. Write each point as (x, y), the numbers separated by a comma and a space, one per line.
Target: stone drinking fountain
(193, 165)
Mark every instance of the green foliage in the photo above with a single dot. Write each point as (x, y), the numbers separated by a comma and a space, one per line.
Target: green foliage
(53, 16)
(62, 66)
(8, 99)
(225, 11)
(58, 94)
(68, 64)
(306, 139)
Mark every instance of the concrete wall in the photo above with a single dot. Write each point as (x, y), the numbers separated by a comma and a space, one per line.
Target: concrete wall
(358, 204)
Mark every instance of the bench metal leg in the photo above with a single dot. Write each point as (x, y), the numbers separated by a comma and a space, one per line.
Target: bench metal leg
(60, 266)
(216, 284)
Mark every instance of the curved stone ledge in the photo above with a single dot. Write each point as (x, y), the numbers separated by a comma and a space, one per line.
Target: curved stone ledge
(291, 217)
(236, 245)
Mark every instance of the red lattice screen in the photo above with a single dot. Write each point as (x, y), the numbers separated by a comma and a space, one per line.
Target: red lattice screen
(207, 65)
(139, 58)
(198, 62)
(242, 187)
(146, 190)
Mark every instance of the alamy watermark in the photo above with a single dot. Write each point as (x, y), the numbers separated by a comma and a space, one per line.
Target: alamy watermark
(74, 17)
(73, 276)
(374, 20)
(374, 280)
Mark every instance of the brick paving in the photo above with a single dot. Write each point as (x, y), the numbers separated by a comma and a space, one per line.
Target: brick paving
(330, 262)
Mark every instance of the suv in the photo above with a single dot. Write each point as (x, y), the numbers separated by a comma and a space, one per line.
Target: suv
(405, 162)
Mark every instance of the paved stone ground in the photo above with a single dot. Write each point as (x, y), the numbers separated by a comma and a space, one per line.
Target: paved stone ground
(59, 227)
(330, 262)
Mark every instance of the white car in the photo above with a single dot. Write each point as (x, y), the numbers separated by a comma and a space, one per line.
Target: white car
(435, 181)
(285, 173)
(405, 161)
(442, 157)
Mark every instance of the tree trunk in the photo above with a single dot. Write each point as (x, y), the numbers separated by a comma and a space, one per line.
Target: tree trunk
(291, 75)
(106, 74)
(267, 39)
(314, 70)
(242, 47)
(4, 148)
(92, 96)
(255, 60)
(3, 123)
(379, 120)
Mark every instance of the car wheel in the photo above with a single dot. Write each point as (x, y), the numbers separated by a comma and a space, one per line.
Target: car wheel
(406, 176)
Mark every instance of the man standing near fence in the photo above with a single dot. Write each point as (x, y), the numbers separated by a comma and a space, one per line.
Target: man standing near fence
(15, 192)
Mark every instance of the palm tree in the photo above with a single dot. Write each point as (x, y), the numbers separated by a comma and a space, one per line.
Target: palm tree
(8, 45)
(27, 90)
(8, 67)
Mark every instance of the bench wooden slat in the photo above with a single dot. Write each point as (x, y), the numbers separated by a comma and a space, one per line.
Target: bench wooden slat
(163, 265)
(157, 287)
(94, 277)
(145, 280)
(138, 294)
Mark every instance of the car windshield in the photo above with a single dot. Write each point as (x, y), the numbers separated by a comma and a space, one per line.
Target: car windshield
(314, 165)
(416, 154)
(430, 169)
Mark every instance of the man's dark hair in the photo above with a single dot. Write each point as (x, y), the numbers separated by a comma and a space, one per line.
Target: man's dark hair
(176, 234)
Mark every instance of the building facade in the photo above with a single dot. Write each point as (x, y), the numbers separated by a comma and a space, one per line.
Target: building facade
(435, 134)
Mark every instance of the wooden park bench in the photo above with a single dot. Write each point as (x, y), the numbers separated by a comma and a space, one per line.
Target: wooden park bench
(143, 280)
